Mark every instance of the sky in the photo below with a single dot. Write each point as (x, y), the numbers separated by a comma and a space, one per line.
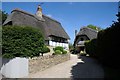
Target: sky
(60, 0)
(71, 15)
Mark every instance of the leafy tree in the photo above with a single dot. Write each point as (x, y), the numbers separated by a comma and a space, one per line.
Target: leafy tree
(118, 15)
(71, 47)
(3, 16)
(94, 27)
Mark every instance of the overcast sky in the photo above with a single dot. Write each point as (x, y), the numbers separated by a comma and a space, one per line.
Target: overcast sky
(72, 15)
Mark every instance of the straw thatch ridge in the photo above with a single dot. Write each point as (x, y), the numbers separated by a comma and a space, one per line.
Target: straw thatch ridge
(47, 25)
(85, 31)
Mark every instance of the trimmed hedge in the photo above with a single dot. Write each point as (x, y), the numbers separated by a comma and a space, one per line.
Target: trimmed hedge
(91, 48)
(108, 42)
(21, 41)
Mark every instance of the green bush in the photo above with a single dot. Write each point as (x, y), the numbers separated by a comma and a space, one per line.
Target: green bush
(58, 52)
(91, 47)
(64, 52)
(45, 49)
(108, 42)
(21, 41)
(58, 48)
(82, 53)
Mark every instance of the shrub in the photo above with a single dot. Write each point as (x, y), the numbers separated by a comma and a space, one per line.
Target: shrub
(71, 47)
(58, 52)
(45, 49)
(109, 44)
(64, 52)
(91, 47)
(59, 48)
(21, 41)
(82, 53)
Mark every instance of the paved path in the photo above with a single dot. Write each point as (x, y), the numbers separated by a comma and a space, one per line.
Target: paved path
(74, 68)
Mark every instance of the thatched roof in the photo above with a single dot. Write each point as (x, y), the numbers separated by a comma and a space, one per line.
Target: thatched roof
(47, 25)
(88, 32)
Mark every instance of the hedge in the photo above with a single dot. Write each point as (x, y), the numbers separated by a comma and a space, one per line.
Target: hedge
(21, 41)
(91, 48)
(109, 45)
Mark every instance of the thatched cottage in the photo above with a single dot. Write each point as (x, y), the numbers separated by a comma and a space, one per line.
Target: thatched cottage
(84, 34)
(52, 30)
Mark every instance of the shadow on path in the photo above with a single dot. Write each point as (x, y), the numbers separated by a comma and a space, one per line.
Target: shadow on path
(89, 68)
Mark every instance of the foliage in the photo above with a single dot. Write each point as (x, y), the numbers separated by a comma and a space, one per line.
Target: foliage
(82, 53)
(94, 27)
(58, 52)
(108, 42)
(45, 49)
(59, 49)
(64, 52)
(91, 47)
(71, 47)
(21, 41)
(3, 15)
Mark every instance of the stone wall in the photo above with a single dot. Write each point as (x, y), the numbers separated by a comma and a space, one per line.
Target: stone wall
(43, 62)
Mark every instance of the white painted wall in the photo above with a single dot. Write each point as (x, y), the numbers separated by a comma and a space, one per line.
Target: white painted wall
(54, 44)
(50, 43)
(15, 68)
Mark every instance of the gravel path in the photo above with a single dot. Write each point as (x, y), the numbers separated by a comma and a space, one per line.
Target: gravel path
(74, 68)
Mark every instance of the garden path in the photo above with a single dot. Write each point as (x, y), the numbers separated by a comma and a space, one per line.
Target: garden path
(83, 67)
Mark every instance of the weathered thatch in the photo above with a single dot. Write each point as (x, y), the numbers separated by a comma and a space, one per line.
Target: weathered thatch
(48, 26)
(90, 33)
(87, 32)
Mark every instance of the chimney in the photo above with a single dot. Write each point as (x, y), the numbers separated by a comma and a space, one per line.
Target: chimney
(39, 12)
(75, 33)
